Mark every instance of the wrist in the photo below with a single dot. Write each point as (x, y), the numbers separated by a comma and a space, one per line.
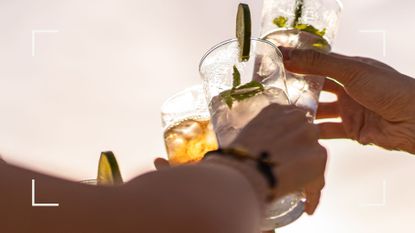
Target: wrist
(262, 161)
(249, 170)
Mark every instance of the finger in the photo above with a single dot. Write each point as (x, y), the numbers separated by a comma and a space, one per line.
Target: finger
(312, 164)
(374, 62)
(304, 136)
(161, 163)
(332, 86)
(327, 110)
(285, 116)
(2, 161)
(357, 77)
(313, 199)
(313, 194)
(332, 131)
(307, 61)
(281, 110)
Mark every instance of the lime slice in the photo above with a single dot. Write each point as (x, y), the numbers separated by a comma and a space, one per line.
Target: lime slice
(243, 31)
(108, 170)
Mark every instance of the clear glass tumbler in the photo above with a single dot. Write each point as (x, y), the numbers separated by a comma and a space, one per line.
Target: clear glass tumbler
(304, 24)
(229, 116)
(188, 134)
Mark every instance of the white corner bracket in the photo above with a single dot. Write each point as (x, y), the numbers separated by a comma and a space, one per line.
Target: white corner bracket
(382, 203)
(34, 204)
(381, 32)
(34, 32)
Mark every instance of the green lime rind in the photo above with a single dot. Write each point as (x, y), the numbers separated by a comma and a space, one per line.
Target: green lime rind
(108, 170)
(243, 31)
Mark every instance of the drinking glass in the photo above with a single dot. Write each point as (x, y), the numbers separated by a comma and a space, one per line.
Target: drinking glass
(265, 66)
(303, 24)
(188, 134)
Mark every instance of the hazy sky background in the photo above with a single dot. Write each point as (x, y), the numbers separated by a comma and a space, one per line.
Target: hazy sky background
(99, 77)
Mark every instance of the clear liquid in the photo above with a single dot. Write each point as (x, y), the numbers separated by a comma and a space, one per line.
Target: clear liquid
(303, 90)
(294, 38)
(228, 122)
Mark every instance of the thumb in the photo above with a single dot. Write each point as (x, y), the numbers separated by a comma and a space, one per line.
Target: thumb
(307, 61)
(161, 164)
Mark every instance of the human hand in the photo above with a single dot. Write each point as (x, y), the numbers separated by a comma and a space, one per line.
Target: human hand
(162, 164)
(375, 102)
(292, 143)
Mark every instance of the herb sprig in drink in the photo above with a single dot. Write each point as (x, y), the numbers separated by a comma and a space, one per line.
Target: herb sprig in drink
(303, 24)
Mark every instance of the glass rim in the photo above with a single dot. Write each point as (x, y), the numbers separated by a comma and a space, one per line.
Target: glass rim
(175, 95)
(330, 41)
(340, 4)
(229, 41)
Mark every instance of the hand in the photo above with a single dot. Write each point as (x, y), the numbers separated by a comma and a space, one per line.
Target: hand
(375, 102)
(292, 142)
(162, 164)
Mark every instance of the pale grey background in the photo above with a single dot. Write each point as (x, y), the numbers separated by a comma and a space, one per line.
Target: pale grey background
(98, 83)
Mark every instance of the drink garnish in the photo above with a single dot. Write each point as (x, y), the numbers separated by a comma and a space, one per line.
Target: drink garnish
(240, 92)
(321, 43)
(311, 29)
(298, 12)
(281, 22)
(108, 170)
(243, 31)
(236, 77)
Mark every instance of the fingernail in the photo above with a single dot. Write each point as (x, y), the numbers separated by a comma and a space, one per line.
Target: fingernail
(286, 53)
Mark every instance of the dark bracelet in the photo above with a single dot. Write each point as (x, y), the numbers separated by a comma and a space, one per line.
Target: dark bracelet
(264, 165)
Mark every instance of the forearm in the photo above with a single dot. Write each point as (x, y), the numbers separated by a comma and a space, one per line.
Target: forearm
(79, 205)
(201, 198)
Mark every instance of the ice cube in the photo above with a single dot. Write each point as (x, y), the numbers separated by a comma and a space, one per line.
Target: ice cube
(228, 122)
(244, 111)
(189, 129)
(176, 145)
(276, 95)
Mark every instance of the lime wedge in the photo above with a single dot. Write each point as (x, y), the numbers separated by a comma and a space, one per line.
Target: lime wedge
(243, 31)
(108, 170)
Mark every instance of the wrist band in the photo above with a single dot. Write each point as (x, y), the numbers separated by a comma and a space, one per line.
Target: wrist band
(264, 165)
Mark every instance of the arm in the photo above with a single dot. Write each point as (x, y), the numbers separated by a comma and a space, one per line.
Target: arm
(220, 194)
(155, 202)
